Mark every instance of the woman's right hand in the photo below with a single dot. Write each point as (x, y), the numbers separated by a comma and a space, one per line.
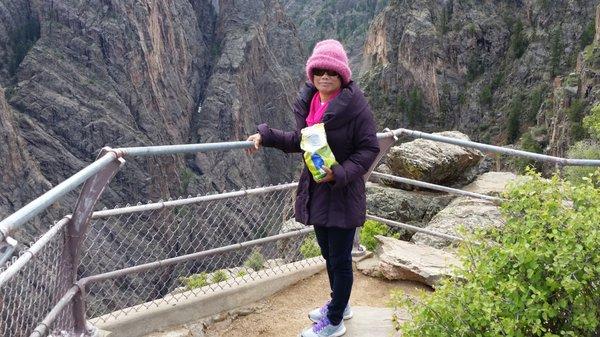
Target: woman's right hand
(256, 139)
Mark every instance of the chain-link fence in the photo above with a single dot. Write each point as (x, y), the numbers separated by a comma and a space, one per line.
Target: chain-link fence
(157, 231)
(35, 287)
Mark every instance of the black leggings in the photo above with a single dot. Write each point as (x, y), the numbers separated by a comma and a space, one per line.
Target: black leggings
(336, 248)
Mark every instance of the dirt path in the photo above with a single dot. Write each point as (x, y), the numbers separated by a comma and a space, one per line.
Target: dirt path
(285, 313)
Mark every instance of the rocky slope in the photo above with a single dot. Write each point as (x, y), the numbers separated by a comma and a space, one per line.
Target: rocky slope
(347, 21)
(484, 68)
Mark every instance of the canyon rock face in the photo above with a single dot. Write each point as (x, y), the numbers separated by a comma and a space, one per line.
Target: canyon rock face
(348, 21)
(442, 65)
(78, 76)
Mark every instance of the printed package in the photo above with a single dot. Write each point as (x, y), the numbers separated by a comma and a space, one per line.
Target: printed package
(317, 153)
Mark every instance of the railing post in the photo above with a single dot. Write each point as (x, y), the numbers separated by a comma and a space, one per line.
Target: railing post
(76, 232)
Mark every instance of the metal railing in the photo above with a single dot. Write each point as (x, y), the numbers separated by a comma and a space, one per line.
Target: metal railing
(108, 263)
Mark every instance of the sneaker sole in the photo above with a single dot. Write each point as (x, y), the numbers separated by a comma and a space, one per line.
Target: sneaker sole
(345, 318)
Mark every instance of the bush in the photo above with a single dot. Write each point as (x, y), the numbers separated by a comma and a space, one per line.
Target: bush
(585, 149)
(518, 42)
(368, 232)
(514, 122)
(528, 143)
(219, 276)
(538, 276)
(587, 37)
(255, 261)
(195, 281)
(309, 247)
(592, 122)
(486, 95)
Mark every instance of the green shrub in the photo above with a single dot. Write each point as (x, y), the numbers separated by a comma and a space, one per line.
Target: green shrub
(241, 273)
(255, 261)
(195, 281)
(219, 276)
(575, 113)
(486, 95)
(518, 41)
(538, 276)
(587, 37)
(372, 228)
(309, 247)
(585, 149)
(514, 120)
(592, 122)
(528, 143)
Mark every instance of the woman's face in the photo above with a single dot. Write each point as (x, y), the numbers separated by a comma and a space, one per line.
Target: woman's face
(326, 81)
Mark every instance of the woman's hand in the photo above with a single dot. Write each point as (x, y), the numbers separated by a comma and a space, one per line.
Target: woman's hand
(257, 140)
(329, 177)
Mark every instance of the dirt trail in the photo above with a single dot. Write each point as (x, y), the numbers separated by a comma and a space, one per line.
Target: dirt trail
(285, 313)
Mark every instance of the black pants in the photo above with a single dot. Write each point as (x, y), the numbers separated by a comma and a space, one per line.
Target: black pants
(336, 248)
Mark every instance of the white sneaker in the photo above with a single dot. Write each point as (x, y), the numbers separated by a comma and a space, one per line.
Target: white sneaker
(324, 328)
(317, 314)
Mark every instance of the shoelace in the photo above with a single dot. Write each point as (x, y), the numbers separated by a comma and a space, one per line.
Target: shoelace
(324, 308)
(321, 325)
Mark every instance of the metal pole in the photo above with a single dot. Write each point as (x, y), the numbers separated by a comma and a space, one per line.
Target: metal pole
(193, 256)
(76, 232)
(33, 208)
(498, 149)
(414, 228)
(435, 187)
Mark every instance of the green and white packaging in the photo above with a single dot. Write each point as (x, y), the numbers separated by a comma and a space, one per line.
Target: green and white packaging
(317, 153)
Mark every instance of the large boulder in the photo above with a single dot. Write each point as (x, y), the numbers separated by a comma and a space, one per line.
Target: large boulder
(433, 162)
(400, 260)
(412, 207)
(463, 212)
(470, 213)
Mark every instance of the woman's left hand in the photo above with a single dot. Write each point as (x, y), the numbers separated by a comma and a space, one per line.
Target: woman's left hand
(329, 177)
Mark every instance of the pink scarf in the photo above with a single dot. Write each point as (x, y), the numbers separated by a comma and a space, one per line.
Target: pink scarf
(317, 110)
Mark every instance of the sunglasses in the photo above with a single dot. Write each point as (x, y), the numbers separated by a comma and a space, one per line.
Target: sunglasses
(321, 72)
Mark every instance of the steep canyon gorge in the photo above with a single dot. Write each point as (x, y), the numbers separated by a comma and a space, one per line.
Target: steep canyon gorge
(76, 76)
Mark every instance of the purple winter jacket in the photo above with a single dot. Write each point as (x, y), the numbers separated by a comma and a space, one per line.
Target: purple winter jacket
(351, 135)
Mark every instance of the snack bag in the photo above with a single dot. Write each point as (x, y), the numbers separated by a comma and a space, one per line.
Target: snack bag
(317, 153)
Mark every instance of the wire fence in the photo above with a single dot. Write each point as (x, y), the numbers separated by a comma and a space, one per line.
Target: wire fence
(34, 289)
(125, 240)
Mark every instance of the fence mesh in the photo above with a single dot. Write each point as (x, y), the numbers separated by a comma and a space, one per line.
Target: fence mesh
(30, 295)
(132, 239)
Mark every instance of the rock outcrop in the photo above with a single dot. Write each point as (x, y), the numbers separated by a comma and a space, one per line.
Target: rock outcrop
(400, 260)
(433, 162)
(412, 207)
(468, 213)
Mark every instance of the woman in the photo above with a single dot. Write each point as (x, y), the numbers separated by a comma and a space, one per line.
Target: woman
(336, 204)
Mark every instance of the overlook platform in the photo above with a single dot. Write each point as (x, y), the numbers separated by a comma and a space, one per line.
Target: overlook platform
(284, 313)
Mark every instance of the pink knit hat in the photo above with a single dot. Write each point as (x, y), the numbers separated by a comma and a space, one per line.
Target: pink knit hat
(330, 55)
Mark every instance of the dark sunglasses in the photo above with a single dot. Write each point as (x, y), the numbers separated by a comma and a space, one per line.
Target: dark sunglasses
(321, 72)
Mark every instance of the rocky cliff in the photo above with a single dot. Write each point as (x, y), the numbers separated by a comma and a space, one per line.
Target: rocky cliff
(484, 68)
(347, 21)
(80, 76)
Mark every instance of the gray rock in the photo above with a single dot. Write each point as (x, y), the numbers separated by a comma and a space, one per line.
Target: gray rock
(400, 260)
(491, 183)
(289, 249)
(433, 162)
(413, 207)
(464, 212)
